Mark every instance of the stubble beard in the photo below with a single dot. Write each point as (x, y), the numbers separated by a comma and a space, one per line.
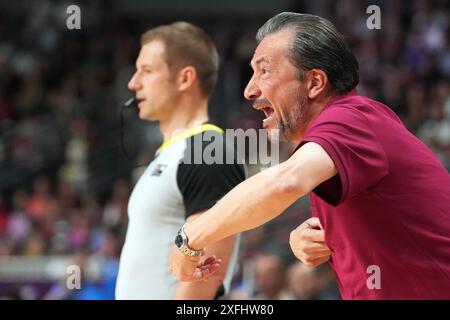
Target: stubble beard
(295, 122)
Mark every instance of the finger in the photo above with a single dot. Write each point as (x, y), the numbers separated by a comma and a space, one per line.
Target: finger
(311, 257)
(210, 259)
(201, 274)
(309, 253)
(309, 234)
(311, 247)
(207, 266)
(206, 272)
(210, 262)
(319, 255)
(213, 270)
(319, 261)
(309, 244)
(313, 223)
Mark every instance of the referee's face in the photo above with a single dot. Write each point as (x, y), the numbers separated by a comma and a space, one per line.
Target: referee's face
(276, 89)
(152, 83)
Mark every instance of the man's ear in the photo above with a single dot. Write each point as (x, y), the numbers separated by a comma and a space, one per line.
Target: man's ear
(186, 78)
(317, 81)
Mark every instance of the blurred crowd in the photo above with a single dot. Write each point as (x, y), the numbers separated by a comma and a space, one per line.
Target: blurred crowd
(64, 179)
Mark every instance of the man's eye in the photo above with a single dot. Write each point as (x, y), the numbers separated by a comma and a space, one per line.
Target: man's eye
(264, 71)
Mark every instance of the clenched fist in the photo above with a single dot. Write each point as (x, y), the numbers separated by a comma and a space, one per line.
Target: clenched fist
(308, 243)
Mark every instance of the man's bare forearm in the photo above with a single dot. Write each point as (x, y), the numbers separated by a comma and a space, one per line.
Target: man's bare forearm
(263, 196)
(249, 205)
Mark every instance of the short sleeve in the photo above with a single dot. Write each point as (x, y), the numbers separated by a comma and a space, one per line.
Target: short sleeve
(361, 162)
(202, 185)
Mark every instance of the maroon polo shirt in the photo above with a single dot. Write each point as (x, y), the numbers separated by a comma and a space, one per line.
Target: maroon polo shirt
(386, 215)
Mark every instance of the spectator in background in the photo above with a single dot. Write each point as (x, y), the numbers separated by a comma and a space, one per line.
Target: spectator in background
(79, 231)
(115, 211)
(93, 286)
(75, 170)
(41, 198)
(19, 223)
(4, 215)
(270, 278)
(306, 283)
(33, 245)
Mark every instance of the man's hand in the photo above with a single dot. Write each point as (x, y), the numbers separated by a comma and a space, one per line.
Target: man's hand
(187, 268)
(308, 243)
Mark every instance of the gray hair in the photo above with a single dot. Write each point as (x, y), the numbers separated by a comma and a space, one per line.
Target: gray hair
(316, 45)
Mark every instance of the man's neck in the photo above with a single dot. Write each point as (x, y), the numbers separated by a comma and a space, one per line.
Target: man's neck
(185, 119)
(316, 109)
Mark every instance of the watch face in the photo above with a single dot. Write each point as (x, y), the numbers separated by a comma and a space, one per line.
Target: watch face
(179, 241)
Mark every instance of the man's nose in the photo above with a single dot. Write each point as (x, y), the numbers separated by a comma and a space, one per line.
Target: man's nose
(252, 91)
(134, 83)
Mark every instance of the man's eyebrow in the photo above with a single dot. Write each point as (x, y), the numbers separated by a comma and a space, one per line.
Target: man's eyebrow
(259, 60)
(144, 65)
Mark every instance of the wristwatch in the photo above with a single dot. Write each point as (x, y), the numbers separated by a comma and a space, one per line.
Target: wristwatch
(181, 242)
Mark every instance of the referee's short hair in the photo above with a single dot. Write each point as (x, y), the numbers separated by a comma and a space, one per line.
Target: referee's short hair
(316, 44)
(188, 45)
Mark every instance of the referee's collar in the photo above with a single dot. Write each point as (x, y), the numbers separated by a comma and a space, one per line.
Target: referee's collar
(188, 133)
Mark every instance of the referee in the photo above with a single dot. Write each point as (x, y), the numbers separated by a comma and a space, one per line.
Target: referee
(176, 71)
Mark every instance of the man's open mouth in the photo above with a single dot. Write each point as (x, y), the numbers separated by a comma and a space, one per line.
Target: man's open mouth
(139, 100)
(269, 121)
